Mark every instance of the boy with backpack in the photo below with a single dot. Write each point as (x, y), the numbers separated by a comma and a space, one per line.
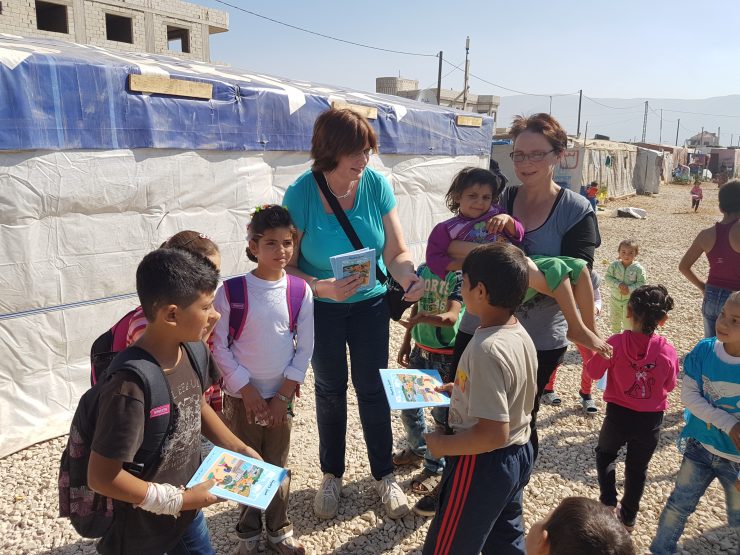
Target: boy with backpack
(152, 513)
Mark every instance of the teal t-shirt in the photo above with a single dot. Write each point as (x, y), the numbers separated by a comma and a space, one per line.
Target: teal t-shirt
(437, 293)
(323, 236)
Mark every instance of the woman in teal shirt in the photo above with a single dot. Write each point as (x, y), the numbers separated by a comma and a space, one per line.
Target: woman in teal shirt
(343, 317)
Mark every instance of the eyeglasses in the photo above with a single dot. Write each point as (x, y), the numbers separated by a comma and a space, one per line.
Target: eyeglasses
(362, 154)
(532, 156)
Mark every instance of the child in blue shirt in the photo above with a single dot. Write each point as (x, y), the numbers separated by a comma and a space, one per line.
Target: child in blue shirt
(711, 391)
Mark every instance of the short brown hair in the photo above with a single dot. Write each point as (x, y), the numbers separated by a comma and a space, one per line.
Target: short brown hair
(582, 526)
(630, 244)
(192, 241)
(545, 125)
(339, 132)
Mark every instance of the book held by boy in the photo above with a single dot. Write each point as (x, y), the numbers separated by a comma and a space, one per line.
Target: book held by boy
(413, 389)
(360, 262)
(239, 478)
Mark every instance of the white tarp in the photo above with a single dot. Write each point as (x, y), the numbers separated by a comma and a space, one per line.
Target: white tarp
(648, 168)
(75, 224)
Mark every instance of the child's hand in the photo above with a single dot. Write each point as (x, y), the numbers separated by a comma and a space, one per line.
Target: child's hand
(198, 496)
(498, 223)
(255, 405)
(445, 388)
(278, 411)
(434, 443)
(735, 435)
(403, 355)
(623, 289)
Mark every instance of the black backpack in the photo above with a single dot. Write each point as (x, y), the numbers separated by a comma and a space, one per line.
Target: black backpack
(90, 513)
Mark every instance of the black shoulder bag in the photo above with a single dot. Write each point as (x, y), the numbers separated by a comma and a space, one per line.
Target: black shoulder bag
(394, 294)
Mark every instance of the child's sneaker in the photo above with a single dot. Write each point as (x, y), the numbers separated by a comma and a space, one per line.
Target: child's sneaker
(405, 457)
(427, 505)
(551, 398)
(326, 502)
(286, 546)
(391, 495)
(589, 406)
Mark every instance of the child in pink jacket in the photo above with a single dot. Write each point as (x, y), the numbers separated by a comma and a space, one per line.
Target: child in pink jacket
(642, 372)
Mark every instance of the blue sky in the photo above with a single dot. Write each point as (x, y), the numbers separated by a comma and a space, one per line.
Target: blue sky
(611, 50)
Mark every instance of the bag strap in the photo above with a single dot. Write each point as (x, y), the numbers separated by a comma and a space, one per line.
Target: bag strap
(295, 291)
(199, 358)
(157, 403)
(236, 294)
(344, 220)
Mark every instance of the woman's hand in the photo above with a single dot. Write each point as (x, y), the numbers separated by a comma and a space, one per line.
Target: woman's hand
(338, 289)
(413, 286)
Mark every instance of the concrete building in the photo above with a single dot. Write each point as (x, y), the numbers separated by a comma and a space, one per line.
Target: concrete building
(703, 139)
(409, 88)
(156, 26)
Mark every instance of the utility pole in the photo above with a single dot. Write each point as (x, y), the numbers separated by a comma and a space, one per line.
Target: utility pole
(678, 126)
(439, 80)
(467, 68)
(585, 135)
(550, 112)
(718, 143)
(701, 140)
(580, 98)
(660, 140)
(644, 122)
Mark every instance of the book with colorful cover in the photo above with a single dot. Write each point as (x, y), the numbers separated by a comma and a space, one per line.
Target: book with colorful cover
(356, 262)
(239, 478)
(413, 389)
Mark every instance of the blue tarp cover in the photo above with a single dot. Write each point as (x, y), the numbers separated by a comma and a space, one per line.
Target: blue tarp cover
(58, 95)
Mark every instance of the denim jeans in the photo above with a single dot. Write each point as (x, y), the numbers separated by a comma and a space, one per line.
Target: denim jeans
(714, 300)
(195, 540)
(698, 468)
(413, 419)
(363, 326)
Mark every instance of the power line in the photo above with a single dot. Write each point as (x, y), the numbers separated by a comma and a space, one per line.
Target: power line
(702, 113)
(611, 107)
(323, 35)
(510, 89)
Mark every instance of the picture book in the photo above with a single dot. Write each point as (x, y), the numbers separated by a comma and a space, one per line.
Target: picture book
(240, 478)
(356, 262)
(412, 389)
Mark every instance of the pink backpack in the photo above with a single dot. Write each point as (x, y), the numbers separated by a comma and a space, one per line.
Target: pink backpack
(236, 293)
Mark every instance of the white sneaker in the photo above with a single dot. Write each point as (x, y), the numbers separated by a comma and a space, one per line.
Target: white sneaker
(391, 495)
(326, 502)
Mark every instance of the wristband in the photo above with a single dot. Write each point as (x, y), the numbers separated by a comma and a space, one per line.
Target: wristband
(283, 398)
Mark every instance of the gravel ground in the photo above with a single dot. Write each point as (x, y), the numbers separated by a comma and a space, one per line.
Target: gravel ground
(28, 506)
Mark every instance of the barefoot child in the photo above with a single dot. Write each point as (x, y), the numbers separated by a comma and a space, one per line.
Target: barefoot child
(473, 198)
(642, 372)
(623, 276)
(489, 456)
(433, 325)
(711, 384)
(176, 290)
(262, 368)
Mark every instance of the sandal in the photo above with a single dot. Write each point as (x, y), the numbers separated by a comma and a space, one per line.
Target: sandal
(425, 482)
(551, 398)
(407, 456)
(589, 406)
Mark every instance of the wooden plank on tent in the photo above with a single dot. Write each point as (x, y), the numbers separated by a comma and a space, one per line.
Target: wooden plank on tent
(159, 84)
(370, 112)
(468, 121)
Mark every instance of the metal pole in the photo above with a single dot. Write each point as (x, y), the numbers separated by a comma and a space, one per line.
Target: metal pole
(550, 112)
(660, 140)
(465, 85)
(439, 80)
(644, 122)
(678, 126)
(580, 99)
(585, 135)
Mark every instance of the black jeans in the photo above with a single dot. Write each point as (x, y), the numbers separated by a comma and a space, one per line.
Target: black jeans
(640, 431)
(363, 326)
(547, 362)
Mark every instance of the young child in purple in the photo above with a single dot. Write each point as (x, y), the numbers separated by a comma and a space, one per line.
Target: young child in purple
(473, 198)
(642, 372)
